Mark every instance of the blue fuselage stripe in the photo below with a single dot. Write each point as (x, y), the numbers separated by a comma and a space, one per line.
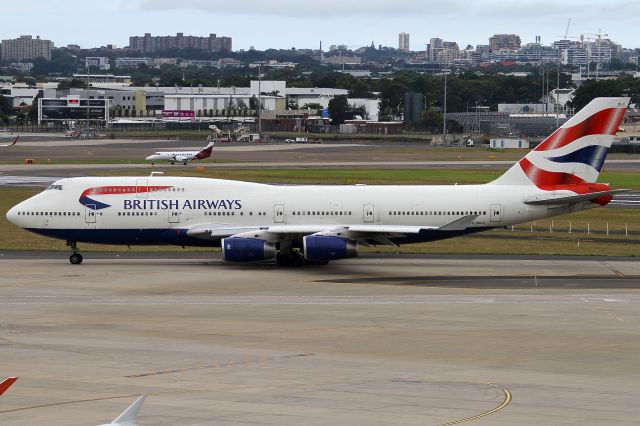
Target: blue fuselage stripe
(179, 237)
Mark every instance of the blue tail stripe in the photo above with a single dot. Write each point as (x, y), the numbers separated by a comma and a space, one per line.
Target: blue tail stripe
(592, 155)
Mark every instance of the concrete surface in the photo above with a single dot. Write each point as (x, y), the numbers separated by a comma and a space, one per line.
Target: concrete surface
(377, 340)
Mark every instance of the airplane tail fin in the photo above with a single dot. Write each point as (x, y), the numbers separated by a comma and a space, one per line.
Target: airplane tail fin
(128, 416)
(205, 153)
(6, 384)
(575, 153)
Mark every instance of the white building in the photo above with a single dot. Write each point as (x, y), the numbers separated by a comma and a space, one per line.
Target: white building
(133, 62)
(202, 104)
(403, 42)
(575, 56)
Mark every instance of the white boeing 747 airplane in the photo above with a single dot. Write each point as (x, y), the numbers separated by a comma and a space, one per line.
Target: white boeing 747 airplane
(181, 156)
(318, 224)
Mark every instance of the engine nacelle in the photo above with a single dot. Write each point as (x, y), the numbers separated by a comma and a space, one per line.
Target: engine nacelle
(246, 249)
(321, 248)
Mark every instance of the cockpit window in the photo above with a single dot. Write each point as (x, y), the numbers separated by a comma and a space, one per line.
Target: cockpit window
(56, 187)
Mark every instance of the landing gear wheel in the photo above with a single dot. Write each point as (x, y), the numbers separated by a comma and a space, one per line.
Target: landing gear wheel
(76, 257)
(283, 259)
(297, 259)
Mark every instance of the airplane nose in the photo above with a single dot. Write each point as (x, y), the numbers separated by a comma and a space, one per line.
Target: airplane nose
(12, 214)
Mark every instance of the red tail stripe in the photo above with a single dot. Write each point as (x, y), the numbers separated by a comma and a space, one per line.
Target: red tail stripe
(553, 181)
(605, 122)
(542, 178)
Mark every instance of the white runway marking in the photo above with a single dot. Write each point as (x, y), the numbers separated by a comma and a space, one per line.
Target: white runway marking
(303, 300)
(27, 180)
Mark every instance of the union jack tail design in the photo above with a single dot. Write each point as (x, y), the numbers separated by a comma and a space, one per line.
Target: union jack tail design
(572, 157)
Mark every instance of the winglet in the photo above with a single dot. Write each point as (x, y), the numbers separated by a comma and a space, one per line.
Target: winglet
(128, 416)
(15, 140)
(6, 384)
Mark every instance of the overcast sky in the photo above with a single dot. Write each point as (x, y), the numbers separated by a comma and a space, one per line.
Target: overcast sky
(302, 24)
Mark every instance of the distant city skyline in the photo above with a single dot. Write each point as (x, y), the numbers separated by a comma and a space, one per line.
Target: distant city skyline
(283, 24)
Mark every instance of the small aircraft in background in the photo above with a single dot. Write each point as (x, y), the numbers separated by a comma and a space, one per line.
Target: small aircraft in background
(12, 143)
(128, 416)
(186, 156)
(6, 384)
(183, 157)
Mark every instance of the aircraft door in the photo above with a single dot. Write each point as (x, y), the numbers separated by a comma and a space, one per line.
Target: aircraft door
(174, 216)
(278, 213)
(142, 188)
(90, 213)
(496, 212)
(367, 213)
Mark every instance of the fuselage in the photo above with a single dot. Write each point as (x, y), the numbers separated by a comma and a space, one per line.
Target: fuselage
(161, 210)
(173, 156)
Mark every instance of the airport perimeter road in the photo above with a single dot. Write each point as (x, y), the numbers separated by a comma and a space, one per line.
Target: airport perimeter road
(378, 340)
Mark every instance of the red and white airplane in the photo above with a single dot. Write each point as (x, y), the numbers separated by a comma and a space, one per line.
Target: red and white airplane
(181, 156)
(6, 384)
(12, 143)
(317, 224)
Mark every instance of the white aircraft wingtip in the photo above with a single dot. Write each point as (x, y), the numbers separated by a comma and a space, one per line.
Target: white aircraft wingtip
(128, 416)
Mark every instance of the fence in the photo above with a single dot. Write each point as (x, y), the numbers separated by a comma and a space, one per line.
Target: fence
(573, 227)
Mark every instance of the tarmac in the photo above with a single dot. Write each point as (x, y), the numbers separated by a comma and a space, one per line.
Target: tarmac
(375, 340)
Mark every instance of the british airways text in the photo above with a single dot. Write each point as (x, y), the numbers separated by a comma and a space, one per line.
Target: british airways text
(182, 204)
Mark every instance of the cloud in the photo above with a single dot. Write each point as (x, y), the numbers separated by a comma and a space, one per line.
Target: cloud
(316, 10)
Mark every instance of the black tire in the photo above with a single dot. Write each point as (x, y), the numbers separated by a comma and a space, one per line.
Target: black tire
(297, 259)
(283, 260)
(75, 259)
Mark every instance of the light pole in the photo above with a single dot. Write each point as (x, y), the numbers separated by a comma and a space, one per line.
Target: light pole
(444, 115)
(87, 126)
(260, 102)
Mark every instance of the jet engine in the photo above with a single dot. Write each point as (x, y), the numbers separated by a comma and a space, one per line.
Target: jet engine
(322, 248)
(247, 249)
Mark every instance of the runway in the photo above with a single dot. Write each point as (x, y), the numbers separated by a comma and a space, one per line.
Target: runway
(375, 340)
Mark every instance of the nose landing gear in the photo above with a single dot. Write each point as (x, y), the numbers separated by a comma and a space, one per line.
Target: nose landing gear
(76, 257)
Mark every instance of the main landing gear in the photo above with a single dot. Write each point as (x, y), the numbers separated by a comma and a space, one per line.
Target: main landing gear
(76, 257)
(295, 258)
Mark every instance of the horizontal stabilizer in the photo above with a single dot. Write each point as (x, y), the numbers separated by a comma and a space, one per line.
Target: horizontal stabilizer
(547, 199)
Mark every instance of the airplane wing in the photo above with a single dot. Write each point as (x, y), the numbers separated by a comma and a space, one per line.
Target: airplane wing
(360, 232)
(570, 199)
(6, 384)
(128, 416)
(12, 143)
